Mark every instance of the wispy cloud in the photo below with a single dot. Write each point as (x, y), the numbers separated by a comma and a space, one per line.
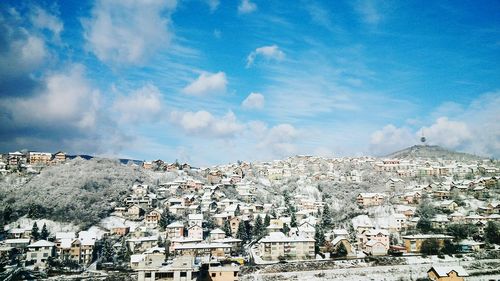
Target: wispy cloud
(368, 11)
(320, 15)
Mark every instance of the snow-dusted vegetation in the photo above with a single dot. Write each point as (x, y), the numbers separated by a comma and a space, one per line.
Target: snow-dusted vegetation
(79, 191)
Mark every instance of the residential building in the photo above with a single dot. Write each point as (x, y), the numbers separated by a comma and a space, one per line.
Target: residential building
(448, 273)
(224, 273)
(370, 199)
(175, 230)
(181, 269)
(413, 243)
(276, 245)
(39, 252)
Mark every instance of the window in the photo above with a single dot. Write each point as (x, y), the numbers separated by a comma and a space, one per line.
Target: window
(147, 275)
(235, 273)
(183, 274)
(45, 255)
(214, 274)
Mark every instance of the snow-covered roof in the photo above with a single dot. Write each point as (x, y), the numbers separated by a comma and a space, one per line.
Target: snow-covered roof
(457, 214)
(338, 239)
(427, 236)
(340, 232)
(371, 243)
(65, 235)
(201, 246)
(175, 224)
(281, 237)
(195, 217)
(143, 239)
(17, 231)
(374, 232)
(443, 271)
(41, 243)
(137, 258)
(17, 241)
(227, 240)
(217, 231)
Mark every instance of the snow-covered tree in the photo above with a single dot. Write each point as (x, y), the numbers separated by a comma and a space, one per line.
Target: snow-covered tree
(34, 232)
(45, 233)
(227, 228)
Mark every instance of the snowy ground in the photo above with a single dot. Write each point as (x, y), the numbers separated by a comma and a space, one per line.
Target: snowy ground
(52, 226)
(386, 273)
(114, 221)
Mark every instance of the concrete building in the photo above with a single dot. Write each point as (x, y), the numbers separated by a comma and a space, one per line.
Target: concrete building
(39, 252)
(181, 269)
(277, 244)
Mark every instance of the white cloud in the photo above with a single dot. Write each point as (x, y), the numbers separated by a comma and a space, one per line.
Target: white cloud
(207, 83)
(203, 123)
(128, 31)
(140, 105)
(24, 53)
(213, 4)
(280, 140)
(450, 134)
(474, 129)
(390, 139)
(272, 52)
(253, 101)
(67, 100)
(246, 7)
(42, 19)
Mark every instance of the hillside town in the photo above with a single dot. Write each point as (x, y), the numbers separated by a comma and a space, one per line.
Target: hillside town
(223, 222)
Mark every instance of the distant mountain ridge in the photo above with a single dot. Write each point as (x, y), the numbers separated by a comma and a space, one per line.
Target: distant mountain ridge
(432, 151)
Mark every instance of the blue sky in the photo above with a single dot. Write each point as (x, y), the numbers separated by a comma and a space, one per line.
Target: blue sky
(211, 82)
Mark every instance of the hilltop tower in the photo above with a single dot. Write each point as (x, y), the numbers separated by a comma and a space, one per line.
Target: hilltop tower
(423, 139)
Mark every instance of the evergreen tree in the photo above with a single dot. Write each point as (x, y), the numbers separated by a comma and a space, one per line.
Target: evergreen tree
(430, 247)
(227, 228)
(160, 242)
(209, 224)
(293, 220)
(7, 214)
(167, 249)
(285, 229)
(492, 232)
(267, 220)
(32, 211)
(326, 218)
(107, 251)
(341, 250)
(242, 232)
(249, 230)
(258, 227)
(237, 212)
(319, 237)
(45, 233)
(425, 212)
(424, 224)
(449, 247)
(166, 218)
(34, 232)
(273, 213)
